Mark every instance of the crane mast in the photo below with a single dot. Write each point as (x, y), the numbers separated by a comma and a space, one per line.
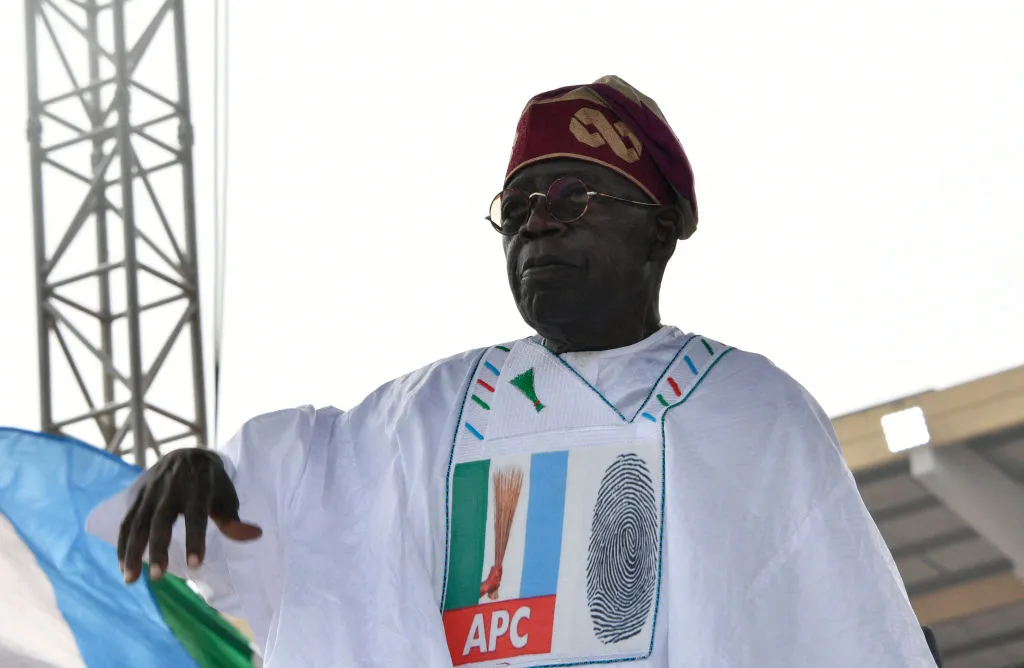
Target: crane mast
(116, 273)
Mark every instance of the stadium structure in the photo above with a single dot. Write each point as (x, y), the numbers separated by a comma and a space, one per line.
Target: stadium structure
(942, 473)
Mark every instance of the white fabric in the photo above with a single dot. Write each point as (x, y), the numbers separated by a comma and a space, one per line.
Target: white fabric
(770, 559)
(624, 375)
(33, 632)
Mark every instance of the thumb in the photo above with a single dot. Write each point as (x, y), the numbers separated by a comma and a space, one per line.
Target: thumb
(236, 529)
(224, 509)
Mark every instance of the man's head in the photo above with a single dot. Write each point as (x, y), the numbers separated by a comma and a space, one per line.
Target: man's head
(597, 193)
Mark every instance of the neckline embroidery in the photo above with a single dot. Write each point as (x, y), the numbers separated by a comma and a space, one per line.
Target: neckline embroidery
(650, 393)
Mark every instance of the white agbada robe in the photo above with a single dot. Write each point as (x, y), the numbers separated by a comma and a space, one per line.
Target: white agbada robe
(682, 504)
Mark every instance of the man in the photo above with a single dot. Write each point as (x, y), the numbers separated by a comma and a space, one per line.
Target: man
(609, 490)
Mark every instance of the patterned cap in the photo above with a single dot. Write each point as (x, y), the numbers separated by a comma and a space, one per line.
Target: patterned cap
(612, 124)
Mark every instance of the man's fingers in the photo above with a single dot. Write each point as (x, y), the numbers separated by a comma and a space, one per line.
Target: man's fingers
(138, 535)
(197, 509)
(224, 499)
(126, 526)
(160, 530)
(188, 483)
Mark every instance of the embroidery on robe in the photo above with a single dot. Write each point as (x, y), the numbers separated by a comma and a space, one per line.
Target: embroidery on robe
(673, 384)
(481, 391)
(524, 383)
(525, 554)
(508, 483)
(553, 549)
(508, 525)
(670, 365)
(697, 363)
(622, 561)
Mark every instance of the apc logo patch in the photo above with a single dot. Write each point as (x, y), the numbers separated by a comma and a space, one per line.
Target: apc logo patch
(554, 557)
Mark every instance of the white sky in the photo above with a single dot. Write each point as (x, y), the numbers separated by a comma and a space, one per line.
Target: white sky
(859, 166)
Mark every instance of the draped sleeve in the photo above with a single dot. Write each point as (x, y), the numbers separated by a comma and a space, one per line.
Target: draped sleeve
(791, 568)
(348, 506)
(830, 594)
(265, 461)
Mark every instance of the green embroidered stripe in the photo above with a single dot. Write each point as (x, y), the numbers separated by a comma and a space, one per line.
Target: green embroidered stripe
(481, 402)
(469, 533)
(211, 640)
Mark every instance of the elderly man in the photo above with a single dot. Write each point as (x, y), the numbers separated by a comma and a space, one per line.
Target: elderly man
(610, 490)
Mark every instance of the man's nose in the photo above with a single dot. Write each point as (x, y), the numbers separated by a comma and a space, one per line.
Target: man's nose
(539, 223)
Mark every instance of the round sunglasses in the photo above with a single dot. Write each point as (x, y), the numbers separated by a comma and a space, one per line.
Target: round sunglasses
(568, 200)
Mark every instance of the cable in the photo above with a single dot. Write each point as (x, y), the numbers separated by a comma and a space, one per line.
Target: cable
(220, 194)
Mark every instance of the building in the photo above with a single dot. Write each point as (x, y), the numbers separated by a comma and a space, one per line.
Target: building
(942, 473)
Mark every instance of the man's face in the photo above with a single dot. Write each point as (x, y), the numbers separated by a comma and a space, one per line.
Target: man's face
(574, 281)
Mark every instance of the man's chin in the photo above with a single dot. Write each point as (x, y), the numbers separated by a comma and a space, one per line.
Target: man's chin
(547, 309)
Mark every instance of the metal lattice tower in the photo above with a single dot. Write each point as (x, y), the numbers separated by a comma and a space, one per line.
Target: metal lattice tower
(114, 213)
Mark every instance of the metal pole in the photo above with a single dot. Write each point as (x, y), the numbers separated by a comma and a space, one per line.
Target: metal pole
(185, 139)
(106, 421)
(124, 139)
(35, 131)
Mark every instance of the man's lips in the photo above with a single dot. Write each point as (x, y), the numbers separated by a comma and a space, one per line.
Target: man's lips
(546, 262)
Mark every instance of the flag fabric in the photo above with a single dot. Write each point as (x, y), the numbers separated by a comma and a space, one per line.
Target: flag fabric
(64, 601)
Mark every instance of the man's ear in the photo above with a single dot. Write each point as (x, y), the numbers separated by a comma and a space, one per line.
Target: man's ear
(669, 222)
(668, 225)
(689, 225)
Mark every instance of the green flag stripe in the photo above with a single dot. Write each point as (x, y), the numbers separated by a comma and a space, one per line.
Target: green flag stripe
(211, 640)
(469, 532)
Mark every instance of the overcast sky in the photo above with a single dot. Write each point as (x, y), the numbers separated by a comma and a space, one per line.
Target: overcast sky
(859, 169)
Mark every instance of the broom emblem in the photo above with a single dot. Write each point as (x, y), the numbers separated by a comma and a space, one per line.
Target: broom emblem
(524, 383)
(508, 482)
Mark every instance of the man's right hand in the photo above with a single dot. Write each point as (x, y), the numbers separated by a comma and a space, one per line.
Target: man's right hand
(190, 482)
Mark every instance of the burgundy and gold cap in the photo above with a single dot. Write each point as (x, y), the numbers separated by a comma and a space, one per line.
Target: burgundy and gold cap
(612, 124)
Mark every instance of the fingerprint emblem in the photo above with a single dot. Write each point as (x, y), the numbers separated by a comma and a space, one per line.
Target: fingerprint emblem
(622, 560)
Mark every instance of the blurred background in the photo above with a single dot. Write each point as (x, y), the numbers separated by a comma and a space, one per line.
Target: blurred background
(305, 188)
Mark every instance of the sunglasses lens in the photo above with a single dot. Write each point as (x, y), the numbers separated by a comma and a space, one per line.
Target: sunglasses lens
(567, 199)
(510, 209)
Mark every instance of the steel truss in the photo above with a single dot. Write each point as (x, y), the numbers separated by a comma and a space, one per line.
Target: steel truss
(114, 213)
